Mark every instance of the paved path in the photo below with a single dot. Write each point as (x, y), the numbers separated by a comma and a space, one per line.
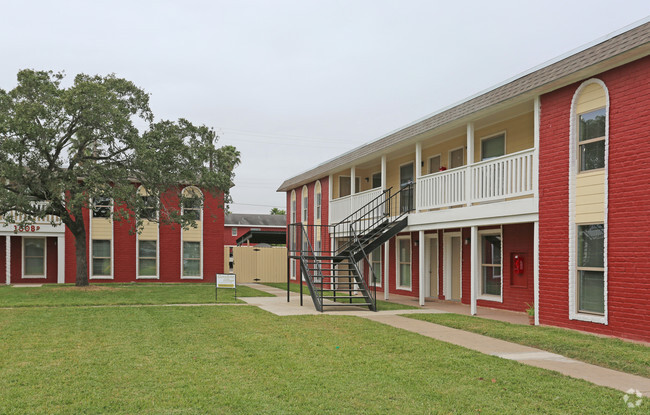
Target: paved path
(487, 345)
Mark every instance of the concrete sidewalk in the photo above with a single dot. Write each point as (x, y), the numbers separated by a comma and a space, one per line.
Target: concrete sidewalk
(487, 345)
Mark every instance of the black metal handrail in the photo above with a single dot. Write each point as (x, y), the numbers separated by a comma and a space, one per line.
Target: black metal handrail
(371, 272)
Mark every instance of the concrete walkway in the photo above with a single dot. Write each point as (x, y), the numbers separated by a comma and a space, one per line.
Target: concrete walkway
(487, 345)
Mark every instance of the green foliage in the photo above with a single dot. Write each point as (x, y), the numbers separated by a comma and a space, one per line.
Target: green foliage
(601, 351)
(243, 360)
(278, 211)
(66, 146)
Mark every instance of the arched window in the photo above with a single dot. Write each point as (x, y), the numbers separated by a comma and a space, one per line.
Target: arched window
(317, 200)
(589, 154)
(305, 204)
(150, 204)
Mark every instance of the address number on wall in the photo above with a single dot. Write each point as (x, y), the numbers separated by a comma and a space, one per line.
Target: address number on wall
(28, 228)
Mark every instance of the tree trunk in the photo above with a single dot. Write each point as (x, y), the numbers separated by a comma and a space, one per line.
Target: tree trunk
(82, 261)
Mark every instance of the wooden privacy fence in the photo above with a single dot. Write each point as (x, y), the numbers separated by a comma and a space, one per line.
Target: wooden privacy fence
(250, 263)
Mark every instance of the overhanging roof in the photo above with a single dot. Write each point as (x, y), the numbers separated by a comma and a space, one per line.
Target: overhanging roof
(610, 52)
(269, 237)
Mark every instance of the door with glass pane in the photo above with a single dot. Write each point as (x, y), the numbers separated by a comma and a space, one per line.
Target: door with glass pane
(406, 197)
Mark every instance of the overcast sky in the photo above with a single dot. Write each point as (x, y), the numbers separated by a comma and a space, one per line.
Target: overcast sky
(294, 83)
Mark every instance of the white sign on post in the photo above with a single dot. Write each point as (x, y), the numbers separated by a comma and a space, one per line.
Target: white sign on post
(226, 281)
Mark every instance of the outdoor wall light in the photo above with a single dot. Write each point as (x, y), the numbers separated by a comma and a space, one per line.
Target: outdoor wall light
(467, 241)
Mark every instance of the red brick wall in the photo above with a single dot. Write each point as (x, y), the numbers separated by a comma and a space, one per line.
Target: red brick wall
(516, 238)
(628, 215)
(124, 251)
(125, 247)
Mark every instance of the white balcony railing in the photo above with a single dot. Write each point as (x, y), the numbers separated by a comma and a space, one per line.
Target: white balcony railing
(499, 178)
(507, 176)
(441, 189)
(16, 219)
(342, 207)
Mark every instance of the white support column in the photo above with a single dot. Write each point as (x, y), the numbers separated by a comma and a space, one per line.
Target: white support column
(353, 180)
(536, 127)
(330, 196)
(473, 270)
(386, 269)
(60, 264)
(470, 160)
(536, 271)
(8, 259)
(418, 172)
(421, 266)
(383, 173)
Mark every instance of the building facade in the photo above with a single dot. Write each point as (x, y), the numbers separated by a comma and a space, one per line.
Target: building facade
(532, 193)
(45, 251)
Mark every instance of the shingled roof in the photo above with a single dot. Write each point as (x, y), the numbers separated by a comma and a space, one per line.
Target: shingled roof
(252, 219)
(610, 52)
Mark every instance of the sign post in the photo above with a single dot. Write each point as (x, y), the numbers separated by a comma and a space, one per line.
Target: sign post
(225, 281)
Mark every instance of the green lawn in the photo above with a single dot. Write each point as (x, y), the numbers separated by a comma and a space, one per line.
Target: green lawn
(119, 294)
(602, 351)
(199, 360)
(381, 305)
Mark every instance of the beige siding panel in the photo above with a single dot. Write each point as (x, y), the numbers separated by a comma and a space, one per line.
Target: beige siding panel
(590, 197)
(591, 97)
(193, 234)
(589, 218)
(102, 228)
(149, 231)
(520, 134)
(266, 264)
(443, 150)
(226, 259)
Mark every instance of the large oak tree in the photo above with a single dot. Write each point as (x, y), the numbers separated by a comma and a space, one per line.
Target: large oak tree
(97, 139)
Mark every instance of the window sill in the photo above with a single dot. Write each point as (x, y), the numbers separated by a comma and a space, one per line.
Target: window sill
(147, 277)
(34, 277)
(488, 297)
(198, 277)
(590, 318)
(101, 277)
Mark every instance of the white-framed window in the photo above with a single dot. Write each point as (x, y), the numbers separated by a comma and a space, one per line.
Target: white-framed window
(377, 268)
(147, 258)
(376, 180)
(191, 259)
(305, 204)
(233, 231)
(102, 207)
(101, 261)
(434, 164)
(493, 146)
(403, 263)
(150, 204)
(318, 194)
(491, 283)
(590, 270)
(591, 140)
(192, 202)
(34, 253)
(588, 245)
(456, 157)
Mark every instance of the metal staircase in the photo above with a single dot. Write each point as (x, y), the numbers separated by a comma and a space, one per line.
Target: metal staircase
(334, 275)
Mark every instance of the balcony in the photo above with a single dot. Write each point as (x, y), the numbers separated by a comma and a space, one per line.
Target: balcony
(502, 179)
(47, 224)
(497, 179)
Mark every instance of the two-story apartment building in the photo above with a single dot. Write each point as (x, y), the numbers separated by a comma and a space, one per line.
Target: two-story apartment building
(534, 192)
(44, 252)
